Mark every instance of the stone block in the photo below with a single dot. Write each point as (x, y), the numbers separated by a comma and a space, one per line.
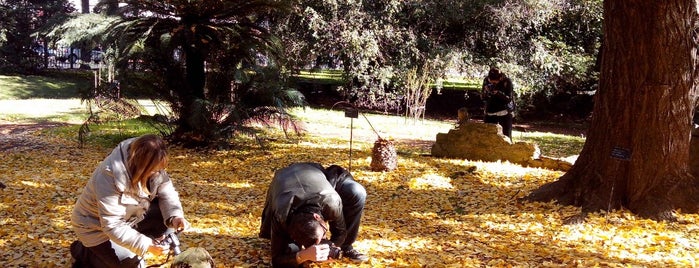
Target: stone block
(485, 142)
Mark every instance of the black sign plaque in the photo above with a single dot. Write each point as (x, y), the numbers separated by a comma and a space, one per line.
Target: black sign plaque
(621, 153)
(352, 113)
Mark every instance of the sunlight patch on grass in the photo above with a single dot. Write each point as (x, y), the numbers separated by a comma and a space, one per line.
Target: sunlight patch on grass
(71, 111)
(28, 87)
(27, 111)
(323, 73)
(339, 146)
(461, 83)
(430, 181)
(388, 127)
(554, 145)
(332, 77)
(336, 77)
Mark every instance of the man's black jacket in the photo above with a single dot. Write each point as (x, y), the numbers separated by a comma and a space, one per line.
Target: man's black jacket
(292, 187)
(499, 101)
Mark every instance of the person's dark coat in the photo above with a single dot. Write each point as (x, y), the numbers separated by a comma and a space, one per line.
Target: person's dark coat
(500, 96)
(301, 185)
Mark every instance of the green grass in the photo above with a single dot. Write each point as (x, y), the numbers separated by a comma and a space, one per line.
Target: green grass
(461, 84)
(66, 85)
(43, 110)
(396, 127)
(334, 77)
(63, 85)
(56, 118)
(552, 145)
(107, 134)
(323, 77)
(332, 123)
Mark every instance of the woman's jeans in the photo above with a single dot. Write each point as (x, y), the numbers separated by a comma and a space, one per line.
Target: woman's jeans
(109, 254)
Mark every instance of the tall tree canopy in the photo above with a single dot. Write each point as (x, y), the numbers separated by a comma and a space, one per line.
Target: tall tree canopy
(636, 154)
(200, 49)
(19, 19)
(545, 45)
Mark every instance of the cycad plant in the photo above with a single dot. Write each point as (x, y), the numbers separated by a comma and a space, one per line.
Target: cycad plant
(203, 57)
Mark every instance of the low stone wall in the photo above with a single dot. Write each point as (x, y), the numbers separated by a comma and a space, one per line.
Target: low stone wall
(485, 142)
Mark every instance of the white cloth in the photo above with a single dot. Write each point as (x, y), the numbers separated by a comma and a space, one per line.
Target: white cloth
(500, 113)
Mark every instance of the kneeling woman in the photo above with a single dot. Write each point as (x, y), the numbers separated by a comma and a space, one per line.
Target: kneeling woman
(128, 203)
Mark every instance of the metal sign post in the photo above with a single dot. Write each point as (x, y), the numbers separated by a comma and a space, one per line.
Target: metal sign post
(352, 114)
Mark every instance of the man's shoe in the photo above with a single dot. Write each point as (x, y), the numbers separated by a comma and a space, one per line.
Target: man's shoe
(355, 255)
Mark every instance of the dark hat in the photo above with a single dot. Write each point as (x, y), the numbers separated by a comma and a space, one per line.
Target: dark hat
(494, 74)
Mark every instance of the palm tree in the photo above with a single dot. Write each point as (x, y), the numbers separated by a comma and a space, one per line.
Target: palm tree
(182, 42)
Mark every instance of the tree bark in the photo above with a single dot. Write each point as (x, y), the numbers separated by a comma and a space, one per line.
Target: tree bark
(191, 117)
(111, 7)
(637, 153)
(85, 6)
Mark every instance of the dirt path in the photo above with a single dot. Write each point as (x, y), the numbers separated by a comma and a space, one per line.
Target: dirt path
(20, 137)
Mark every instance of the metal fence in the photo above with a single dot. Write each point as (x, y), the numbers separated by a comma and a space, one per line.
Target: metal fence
(66, 58)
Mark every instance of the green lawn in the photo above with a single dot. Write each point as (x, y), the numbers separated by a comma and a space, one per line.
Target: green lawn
(64, 85)
(334, 77)
(55, 98)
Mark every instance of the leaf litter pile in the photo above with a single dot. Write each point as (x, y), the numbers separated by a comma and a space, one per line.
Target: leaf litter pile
(429, 212)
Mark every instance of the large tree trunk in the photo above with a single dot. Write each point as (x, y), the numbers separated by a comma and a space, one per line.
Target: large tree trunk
(111, 7)
(637, 153)
(192, 114)
(85, 6)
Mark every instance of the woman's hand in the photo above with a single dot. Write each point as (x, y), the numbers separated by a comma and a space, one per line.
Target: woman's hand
(157, 249)
(314, 253)
(180, 224)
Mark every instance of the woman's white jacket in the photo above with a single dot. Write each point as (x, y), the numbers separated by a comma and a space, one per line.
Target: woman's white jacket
(109, 209)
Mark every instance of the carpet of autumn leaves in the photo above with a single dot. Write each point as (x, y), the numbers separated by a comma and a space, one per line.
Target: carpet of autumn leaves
(430, 212)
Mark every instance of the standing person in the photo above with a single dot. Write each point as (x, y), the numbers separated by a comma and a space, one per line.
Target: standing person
(300, 199)
(126, 206)
(499, 100)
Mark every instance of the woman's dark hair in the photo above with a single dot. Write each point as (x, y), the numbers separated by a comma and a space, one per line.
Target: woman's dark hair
(494, 74)
(303, 228)
(147, 154)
